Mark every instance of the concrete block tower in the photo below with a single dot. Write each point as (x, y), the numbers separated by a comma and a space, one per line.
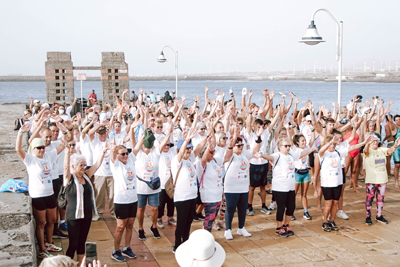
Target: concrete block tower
(59, 77)
(114, 75)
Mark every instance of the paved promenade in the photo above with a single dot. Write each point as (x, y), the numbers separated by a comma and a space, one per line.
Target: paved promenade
(355, 244)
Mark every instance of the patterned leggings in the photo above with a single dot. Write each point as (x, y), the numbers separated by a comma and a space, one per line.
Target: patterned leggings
(211, 211)
(379, 190)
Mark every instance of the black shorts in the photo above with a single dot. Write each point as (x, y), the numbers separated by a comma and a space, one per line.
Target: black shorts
(332, 192)
(57, 184)
(124, 211)
(344, 176)
(43, 203)
(258, 175)
(311, 159)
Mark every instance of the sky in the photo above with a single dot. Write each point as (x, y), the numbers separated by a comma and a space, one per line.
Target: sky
(210, 36)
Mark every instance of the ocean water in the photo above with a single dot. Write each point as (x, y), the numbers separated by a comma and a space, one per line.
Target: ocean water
(320, 93)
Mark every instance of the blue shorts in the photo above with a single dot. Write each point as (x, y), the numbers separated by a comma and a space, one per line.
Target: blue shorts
(153, 200)
(301, 178)
(396, 155)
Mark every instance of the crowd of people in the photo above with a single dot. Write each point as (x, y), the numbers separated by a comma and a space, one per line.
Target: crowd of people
(204, 157)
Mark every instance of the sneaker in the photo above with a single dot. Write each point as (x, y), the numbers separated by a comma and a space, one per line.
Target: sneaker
(116, 255)
(95, 218)
(266, 211)
(272, 206)
(289, 231)
(333, 226)
(127, 252)
(142, 236)
(250, 212)
(173, 250)
(228, 234)
(172, 222)
(342, 215)
(59, 234)
(63, 226)
(281, 232)
(44, 254)
(52, 247)
(195, 218)
(200, 216)
(215, 226)
(221, 224)
(326, 227)
(293, 218)
(160, 224)
(155, 232)
(368, 221)
(381, 220)
(243, 232)
(307, 216)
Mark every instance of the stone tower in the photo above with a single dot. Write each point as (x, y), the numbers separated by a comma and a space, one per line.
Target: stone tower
(59, 77)
(114, 75)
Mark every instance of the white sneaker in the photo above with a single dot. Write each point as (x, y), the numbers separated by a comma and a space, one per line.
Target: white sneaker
(243, 232)
(228, 234)
(95, 218)
(272, 206)
(215, 226)
(342, 215)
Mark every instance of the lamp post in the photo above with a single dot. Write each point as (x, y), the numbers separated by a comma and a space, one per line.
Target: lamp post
(161, 58)
(312, 38)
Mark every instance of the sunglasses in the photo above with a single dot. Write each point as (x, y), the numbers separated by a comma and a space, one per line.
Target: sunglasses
(160, 127)
(124, 154)
(189, 148)
(224, 138)
(168, 145)
(240, 123)
(202, 129)
(239, 146)
(40, 147)
(72, 145)
(286, 146)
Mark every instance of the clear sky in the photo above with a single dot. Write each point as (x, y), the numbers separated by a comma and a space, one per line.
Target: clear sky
(209, 35)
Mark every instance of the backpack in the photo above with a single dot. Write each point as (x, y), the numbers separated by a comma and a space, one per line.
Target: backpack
(18, 123)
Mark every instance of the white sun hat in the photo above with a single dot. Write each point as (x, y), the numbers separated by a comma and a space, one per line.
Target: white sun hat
(200, 250)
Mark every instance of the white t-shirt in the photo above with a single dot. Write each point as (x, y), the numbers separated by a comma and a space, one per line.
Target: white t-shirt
(124, 180)
(211, 188)
(283, 173)
(147, 169)
(301, 163)
(220, 151)
(39, 174)
(344, 144)
(97, 149)
(54, 167)
(186, 185)
(176, 135)
(196, 140)
(331, 171)
(252, 137)
(119, 138)
(306, 131)
(237, 177)
(164, 166)
(86, 150)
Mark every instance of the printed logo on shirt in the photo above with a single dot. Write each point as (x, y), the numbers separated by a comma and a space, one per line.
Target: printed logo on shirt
(169, 162)
(45, 169)
(130, 175)
(290, 162)
(218, 170)
(243, 165)
(304, 160)
(334, 163)
(149, 165)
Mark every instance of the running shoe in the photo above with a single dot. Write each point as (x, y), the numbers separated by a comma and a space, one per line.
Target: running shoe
(228, 234)
(200, 216)
(342, 215)
(289, 231)
(58, 234)
(44, 254)
(381, 220)
(250, 212)
(95, 218)
(160, 224)
(155, 232)
(269, 191)
(63, 226)
(307, 216)
(221, 223)
(326, 227)
(368, 221)
(116, 255)
(52, 247)
(215, 226)
(127, 252)
(195, 218)
(172, 222)
(243, 232)
(293, 218)
(272, 206)
(333, 226)
(266, 211)
(281, 232)
(142, 236)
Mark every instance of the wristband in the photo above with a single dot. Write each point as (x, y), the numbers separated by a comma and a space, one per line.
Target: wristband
(230, 147)
(259, 140)
(20, 133)
(64, 133)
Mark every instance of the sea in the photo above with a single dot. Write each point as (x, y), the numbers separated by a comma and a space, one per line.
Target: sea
(320, 93)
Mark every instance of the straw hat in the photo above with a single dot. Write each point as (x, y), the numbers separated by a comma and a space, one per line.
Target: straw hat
(200, 250)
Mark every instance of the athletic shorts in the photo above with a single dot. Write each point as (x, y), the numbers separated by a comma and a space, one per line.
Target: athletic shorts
(396, 155)
(301, 178)
(124, 211)
(311, 160)
(57, 184)
(332, 193)
(43, 203)
(258, 175)
(152, 200)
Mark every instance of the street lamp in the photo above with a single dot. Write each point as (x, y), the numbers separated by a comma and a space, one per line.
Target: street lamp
(161, 58)
(312, 38)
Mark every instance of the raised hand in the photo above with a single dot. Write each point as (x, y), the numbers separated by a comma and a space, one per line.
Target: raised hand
(25, 128)
(206, 88)
(183, 98)
(250, 92)
(141, 91)
(271, 94)
(296, 100)
(216, 92)
(61, 127)
(265, 92)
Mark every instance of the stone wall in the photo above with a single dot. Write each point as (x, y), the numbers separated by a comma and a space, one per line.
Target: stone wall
(114, 75)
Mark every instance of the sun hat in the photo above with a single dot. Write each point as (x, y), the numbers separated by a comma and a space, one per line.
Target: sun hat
(152, 119)
(148, 139)
(36, 101)
(200, 250)
(308, 118)
(180, 143)
(35, 143)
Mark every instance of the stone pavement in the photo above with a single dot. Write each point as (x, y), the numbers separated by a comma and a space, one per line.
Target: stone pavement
(355, 244)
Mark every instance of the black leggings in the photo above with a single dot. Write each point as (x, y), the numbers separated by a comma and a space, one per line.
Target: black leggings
(78, 231)
(285, 201)
(164, 199)
(185, 211)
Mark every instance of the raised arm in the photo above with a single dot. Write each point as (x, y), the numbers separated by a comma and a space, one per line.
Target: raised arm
(18, 144)
(192, 133)
(166, 137)
(90, 172)
(67, 167)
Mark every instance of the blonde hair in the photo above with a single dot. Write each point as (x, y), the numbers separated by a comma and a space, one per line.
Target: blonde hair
(59, 261)
(327, 139)
(218, 136)
(280, 141)
(158, 122)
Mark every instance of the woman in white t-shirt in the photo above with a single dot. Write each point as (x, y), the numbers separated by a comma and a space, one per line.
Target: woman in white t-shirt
(39, 168)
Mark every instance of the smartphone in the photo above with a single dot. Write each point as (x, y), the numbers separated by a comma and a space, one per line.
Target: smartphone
(91, 252)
